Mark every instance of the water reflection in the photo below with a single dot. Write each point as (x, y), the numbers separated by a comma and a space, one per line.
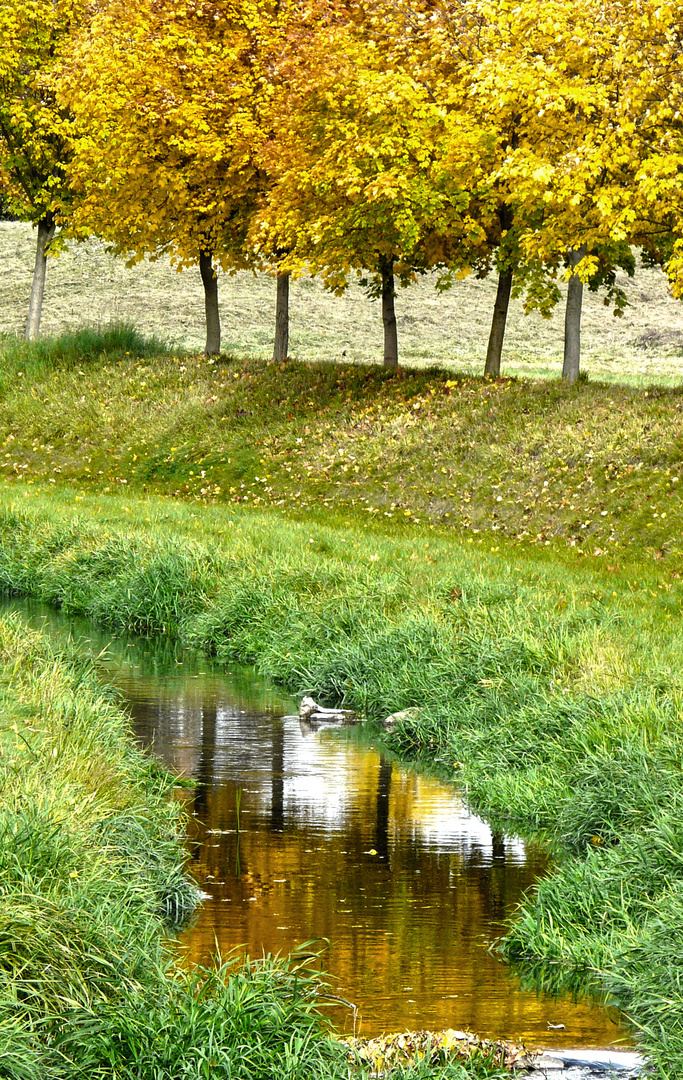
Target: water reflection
(338, 842)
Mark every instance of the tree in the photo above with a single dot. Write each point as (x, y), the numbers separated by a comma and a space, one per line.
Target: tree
(281, 342)
(538, 83)
(643, 146)
(352, 157)
(449, 50)
(167, 165)
(561, 73)
(35, 130)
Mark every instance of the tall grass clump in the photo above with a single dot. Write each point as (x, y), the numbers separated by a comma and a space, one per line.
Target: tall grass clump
(245, 1021)
(27, 360)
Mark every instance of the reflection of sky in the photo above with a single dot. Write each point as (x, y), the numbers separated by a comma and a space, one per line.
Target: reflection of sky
(446, 825)
(319, 780)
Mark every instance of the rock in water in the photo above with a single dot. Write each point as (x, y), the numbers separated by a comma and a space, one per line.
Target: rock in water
(599, 1060)
(405, 714)
(307, 707)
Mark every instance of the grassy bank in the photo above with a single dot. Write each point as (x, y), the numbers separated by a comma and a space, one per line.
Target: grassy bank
(590, 472)
(505, 556)
(552, 694)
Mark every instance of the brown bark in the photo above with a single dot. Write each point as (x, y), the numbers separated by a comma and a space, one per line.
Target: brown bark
(46, 231)
(386, 267)
(281, 346)
(572, 320)
(500, 314)
(213, 320)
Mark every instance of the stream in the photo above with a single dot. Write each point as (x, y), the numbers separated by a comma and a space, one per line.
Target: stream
(298, 835)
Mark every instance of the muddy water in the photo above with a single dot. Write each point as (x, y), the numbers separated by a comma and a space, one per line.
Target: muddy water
(298, 835)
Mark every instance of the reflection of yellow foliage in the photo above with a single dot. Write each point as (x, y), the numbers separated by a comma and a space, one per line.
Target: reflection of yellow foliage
(374, 903)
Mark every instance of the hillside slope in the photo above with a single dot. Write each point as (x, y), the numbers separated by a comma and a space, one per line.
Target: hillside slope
(595, 469)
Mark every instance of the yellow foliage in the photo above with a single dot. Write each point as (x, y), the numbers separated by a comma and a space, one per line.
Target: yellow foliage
(34, 129)
(167, 162)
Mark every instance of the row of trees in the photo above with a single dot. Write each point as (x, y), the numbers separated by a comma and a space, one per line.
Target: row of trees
(378, 138)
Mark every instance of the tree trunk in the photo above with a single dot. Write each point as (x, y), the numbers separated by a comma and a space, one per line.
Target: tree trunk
(213, 319)
(572, 320)
(500, 314)
(46, 231)
(281, 347)
(386, 267)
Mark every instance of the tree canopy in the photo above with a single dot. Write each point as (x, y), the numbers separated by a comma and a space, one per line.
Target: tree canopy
(356, 137)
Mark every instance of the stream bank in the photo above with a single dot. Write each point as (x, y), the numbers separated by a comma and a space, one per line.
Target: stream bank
(91, 878)
(502, 661)
(213, 730)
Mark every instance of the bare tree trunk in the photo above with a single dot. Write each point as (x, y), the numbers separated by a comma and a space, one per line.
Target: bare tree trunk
(386, 267)
(500, 314)
(281, 347)
(46, 231)
(572, 320)
(213, 320)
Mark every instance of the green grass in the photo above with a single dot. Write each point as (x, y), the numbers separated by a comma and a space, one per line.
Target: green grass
(592, 471)
(82, 346)
(92, 880)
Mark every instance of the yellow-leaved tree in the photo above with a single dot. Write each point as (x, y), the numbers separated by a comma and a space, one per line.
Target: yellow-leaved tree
(637, 152)
(353, 160)
(167, 163)
(35, 129)
(594, 93)
(531, 79)
(555, 80)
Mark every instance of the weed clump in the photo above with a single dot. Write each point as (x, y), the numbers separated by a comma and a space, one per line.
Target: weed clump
(27, 360)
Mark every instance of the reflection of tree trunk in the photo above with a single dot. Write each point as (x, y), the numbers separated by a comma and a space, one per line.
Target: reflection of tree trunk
(383, 789)
(277, 782)
(498, 845)
(205, 767)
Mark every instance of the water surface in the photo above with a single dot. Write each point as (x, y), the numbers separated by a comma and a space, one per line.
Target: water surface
(337, 843)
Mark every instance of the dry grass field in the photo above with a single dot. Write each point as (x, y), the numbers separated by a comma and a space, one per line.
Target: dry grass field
(88, 286)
